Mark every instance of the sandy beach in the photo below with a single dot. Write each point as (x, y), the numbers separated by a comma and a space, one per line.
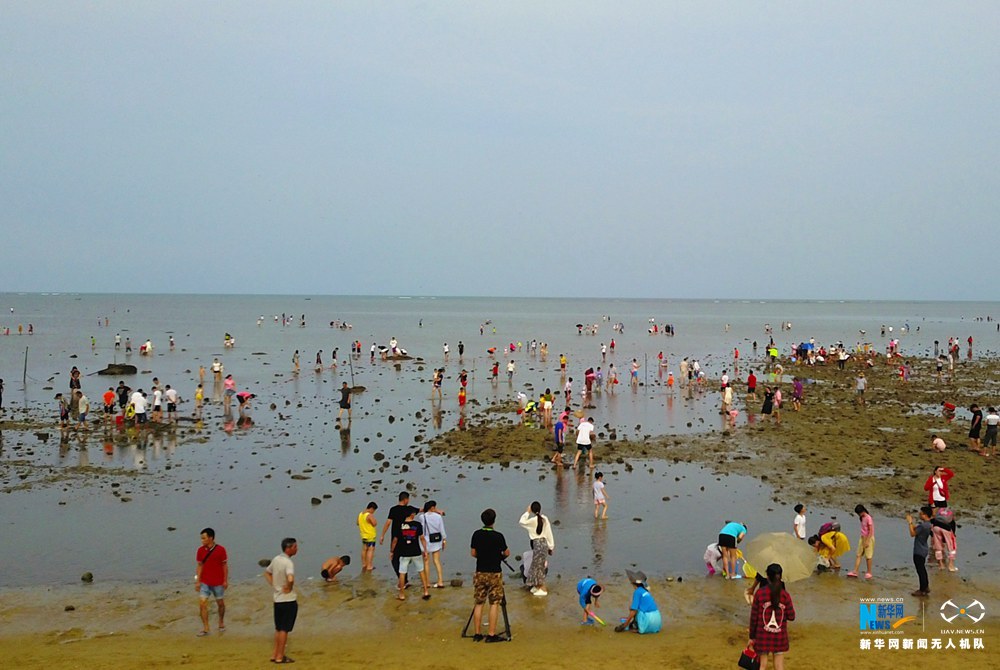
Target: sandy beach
(357, 623)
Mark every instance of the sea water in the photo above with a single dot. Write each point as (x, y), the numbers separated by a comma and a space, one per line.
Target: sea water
(238, 478)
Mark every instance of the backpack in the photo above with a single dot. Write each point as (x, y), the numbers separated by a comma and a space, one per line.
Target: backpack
(828, 527)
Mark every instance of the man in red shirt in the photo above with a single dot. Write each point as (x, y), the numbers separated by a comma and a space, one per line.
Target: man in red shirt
(212, 578)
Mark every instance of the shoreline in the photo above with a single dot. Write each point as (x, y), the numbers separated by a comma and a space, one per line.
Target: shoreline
(705, 623)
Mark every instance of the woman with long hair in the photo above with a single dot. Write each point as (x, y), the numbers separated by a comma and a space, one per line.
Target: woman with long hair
(769, 616)
(542, 545)
(432, 521)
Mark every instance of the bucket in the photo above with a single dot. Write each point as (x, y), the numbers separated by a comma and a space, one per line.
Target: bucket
(119, 420)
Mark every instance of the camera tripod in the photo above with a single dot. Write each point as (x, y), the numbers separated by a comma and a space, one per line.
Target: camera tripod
(506, 621)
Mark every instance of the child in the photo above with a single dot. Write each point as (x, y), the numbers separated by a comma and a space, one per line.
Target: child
(559, 433)
(199, 396)
(799, 525)
(461, 396)
(866, 545)
(589, 591)
(713, 558)
(600, 495)
(332, 566)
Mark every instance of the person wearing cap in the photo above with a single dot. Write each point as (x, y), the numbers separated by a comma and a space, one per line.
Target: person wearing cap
(643, 615)
(589, 591)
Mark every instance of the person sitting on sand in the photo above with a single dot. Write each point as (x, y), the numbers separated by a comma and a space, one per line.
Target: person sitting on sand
(643, 615)
(332, 567)
(937, 444)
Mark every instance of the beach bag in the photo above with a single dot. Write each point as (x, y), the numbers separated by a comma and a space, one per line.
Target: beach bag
(749, 660)
(828, 527)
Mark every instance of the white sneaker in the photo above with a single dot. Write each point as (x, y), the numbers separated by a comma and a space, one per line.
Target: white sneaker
(540, 592)
(534, 589)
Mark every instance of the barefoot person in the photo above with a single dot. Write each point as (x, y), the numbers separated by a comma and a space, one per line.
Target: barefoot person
(333, 566)
(345, 402)
(280, 574)
(368, 528)
(211, 578)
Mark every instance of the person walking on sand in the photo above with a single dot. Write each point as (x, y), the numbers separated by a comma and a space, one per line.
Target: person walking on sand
(211, 578)
(216, 366)
(542, 546)
(937, 487)
(921, 532)
(866, 545)
(397, 514)
(489, 548)
(345, 402)
(280, 574)
(436, 538)
(411, 547)
(860, 386)
(992, 422)
(368, 527)
(770, 613)
(601, 496)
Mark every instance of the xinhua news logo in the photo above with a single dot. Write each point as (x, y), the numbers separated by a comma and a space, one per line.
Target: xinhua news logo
(974, 611)
(882, 616)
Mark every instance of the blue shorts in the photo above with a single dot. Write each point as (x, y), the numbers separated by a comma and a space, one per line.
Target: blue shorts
(368, 544)
(207, 591)
(230, 393)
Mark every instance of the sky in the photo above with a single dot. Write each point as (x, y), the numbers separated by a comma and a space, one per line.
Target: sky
(655, 149)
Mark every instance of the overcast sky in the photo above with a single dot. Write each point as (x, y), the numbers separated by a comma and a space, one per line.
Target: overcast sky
(633, 149)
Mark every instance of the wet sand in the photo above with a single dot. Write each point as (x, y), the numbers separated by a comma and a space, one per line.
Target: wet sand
(831, 452)
(704, 627)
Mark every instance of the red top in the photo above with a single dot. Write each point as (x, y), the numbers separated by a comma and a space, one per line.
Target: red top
(212, 570)
(109, 397)
(929, 486)
(768, 625)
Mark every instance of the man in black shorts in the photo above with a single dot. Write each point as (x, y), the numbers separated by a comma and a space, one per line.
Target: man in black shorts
(489, 548)
(345, 401)
(280, 574)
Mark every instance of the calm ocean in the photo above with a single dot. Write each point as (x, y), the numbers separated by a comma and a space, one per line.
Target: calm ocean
(240, 481)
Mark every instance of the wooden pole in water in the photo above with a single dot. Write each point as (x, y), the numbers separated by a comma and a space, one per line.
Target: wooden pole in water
(350, 363)
(24, 377)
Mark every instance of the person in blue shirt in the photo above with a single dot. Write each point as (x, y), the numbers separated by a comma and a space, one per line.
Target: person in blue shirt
(731, 535)
(643, 616)
(589, 591)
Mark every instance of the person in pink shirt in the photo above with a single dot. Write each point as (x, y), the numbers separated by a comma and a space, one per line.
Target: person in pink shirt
(230, 386)
(866, 545)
